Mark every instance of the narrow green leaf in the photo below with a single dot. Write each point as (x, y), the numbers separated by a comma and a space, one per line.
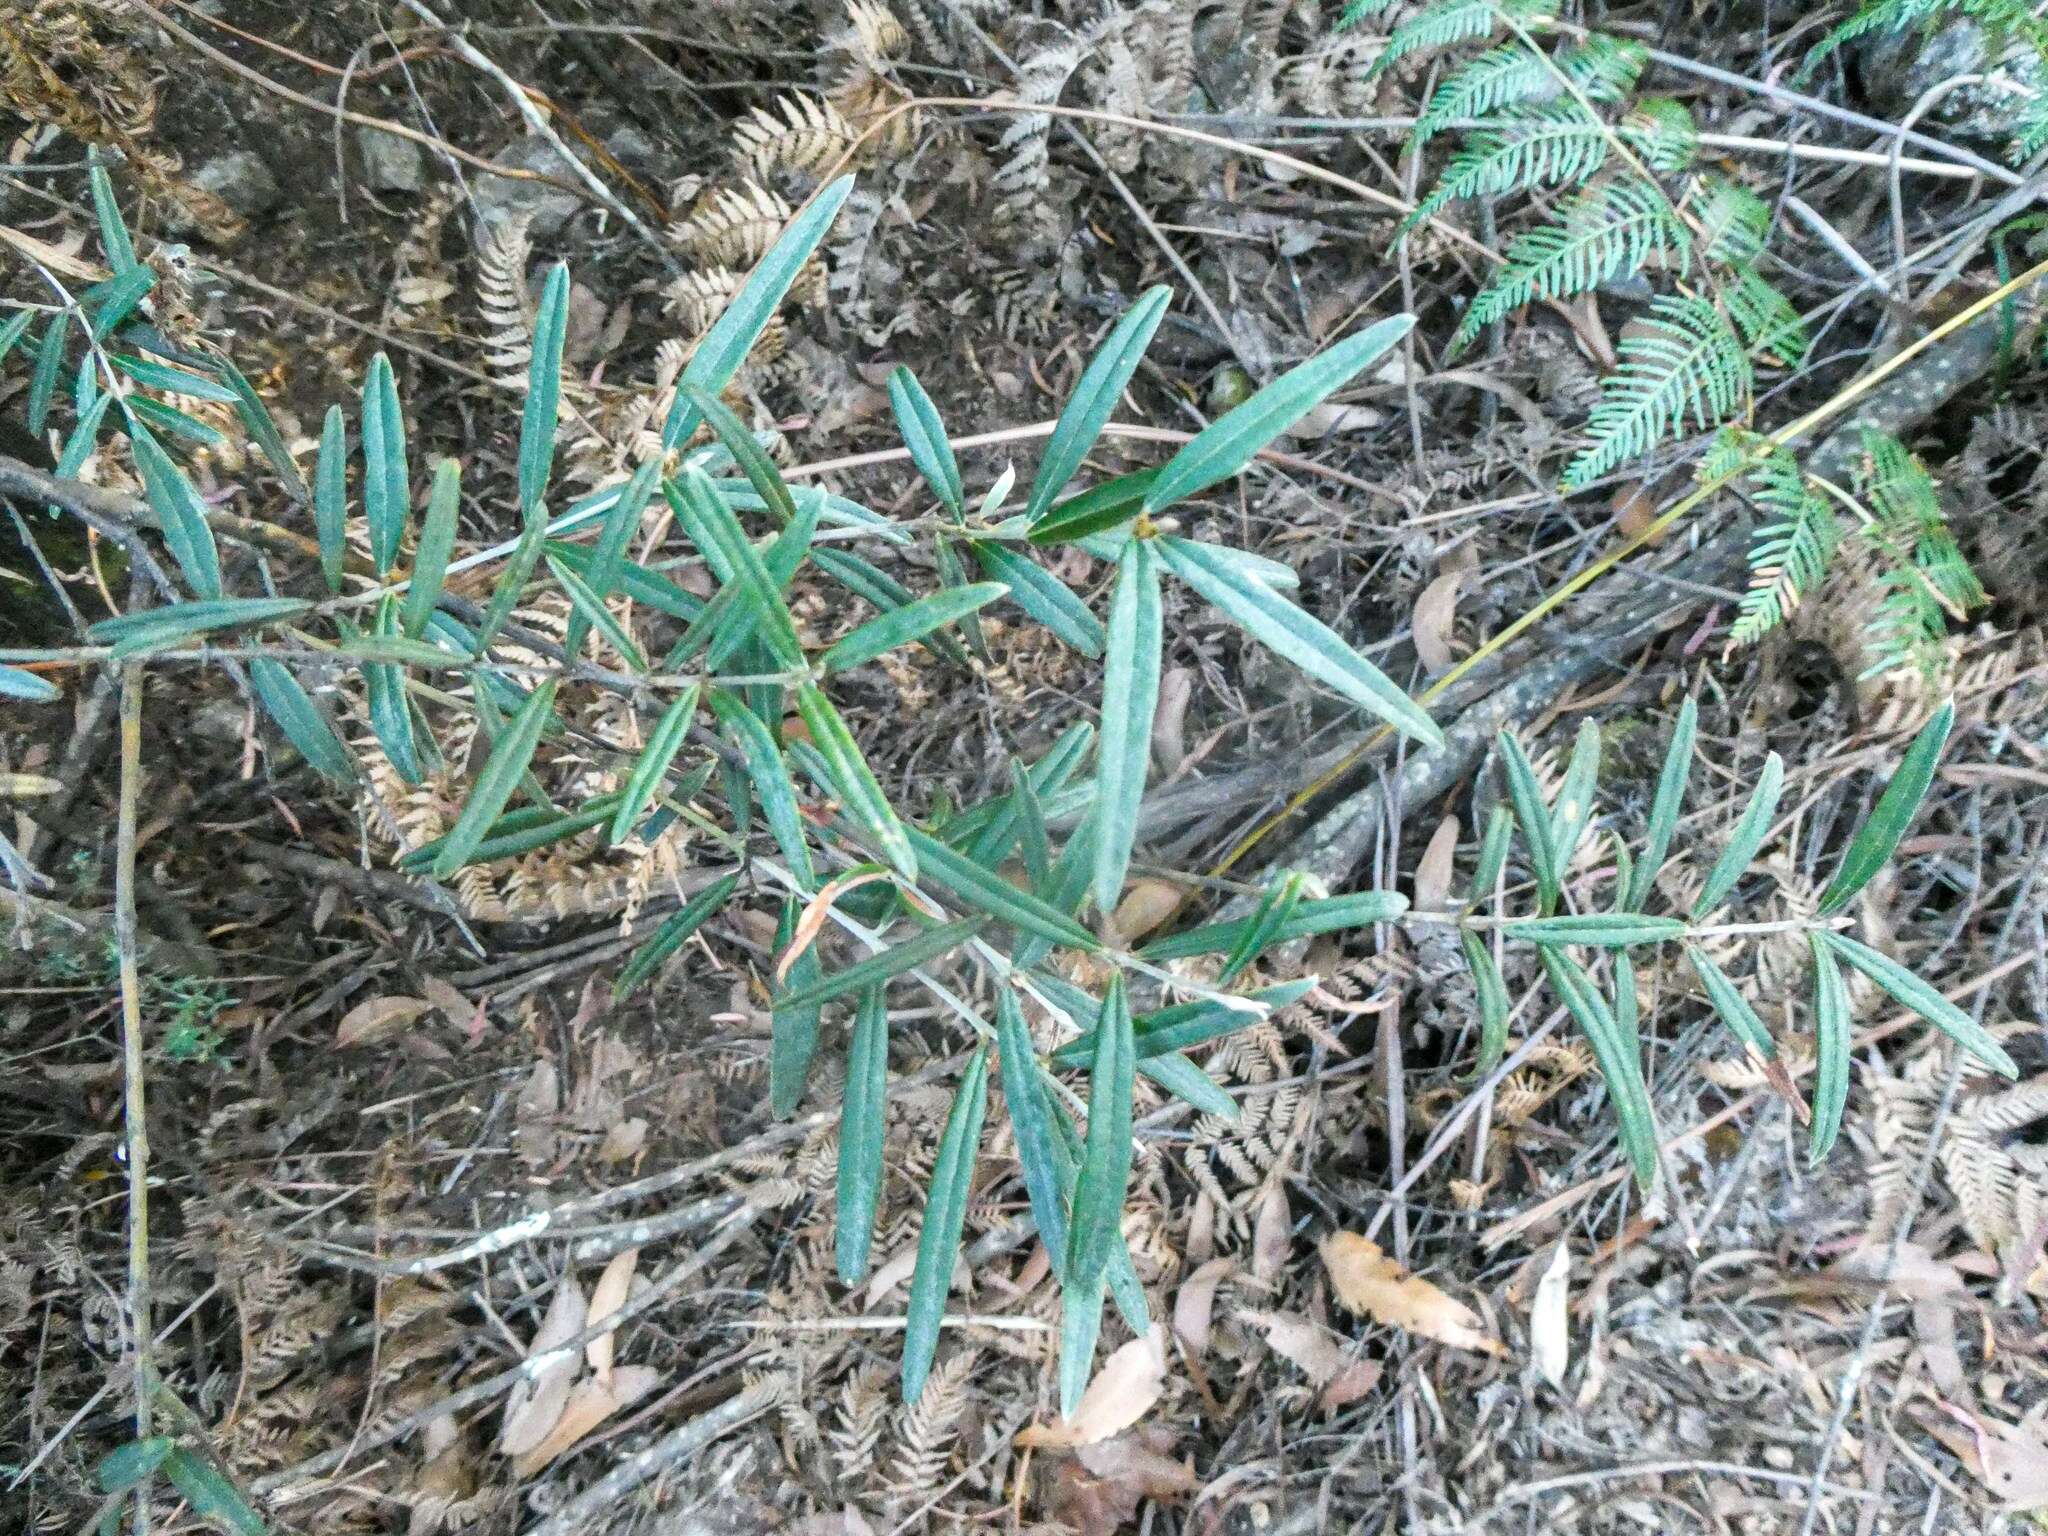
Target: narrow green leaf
(543, 389)
(1042, 595)
(938, 1239)
(953, 574)
(663, 742)
(1292, 633)
(1130, 695)
(993, 895)
(1025, 1092)
(747, 452)
(724, 346)
(126, 1465)
(601, 572)
(590, 608)
(863, 1117)
(1106, 1158)
(1878, 838)
(712, 525)
(1664, 807)
(1599, 930)
(178, 381)
(1910, 992)
(733, 631)
(42, 384)
(924, 434)
(303, 722)
(153, 628)
(1183, 1025)
(1266, 922)
(674, 931)
(1573, 807)
(212, 1497)
(1493, 855)
(1492, 995)
(1094, 398)
(1065, 889)
(390, 711)
(1080, 1326)
(17, 684)
(1526, 796)
(387, 483)
(1229, 443)
(1188, 1083)
(910, 954)
(1730, 1004)
(878, 636)
(330, 497)
(1618, 1054)
(854, 782)
(488, 797)
(512, 579)
(113, 301)
(793, 1028)
(518, 832)
(181, 516)
(1327, 914)
(1034, 842)
(769, 775)
(262, 428)
(114, 240)
(648, 588)
(15, 328)
(174, 422)
(1747, 837)
(1831, 1050)
(437, 543)
(1099, 510)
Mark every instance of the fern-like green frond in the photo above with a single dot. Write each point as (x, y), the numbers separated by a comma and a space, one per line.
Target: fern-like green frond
(1903, 496)
(1555, 144)
(1359, 11)
(1770, 325)
(1733, 220)
(1682, 362)
(1907, 630)
(1604, 68)
(1788, 554)
(1435, 28)
(1604, 233)
(1662, 133)
(2030, 128)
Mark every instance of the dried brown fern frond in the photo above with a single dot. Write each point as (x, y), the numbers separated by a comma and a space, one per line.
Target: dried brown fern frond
(803, 137)
(927, 1430)
(732, 227)
(502, 255)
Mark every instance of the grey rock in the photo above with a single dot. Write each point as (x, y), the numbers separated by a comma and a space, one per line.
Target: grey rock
(1899, 68)
(391, 164)
(628, 145)
(546, 207)
(242, 180)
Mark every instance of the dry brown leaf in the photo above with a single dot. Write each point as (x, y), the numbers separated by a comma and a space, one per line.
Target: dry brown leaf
(1436, 611)
(447, 997)
(1129, 1382)
(1146, 905)
(1097, 1490)
(589, 1405)
(1373, 1285)
(1272, 1232)
(1194, 1305)
(606, 1297)
(889, 1274)
(1433, 870)
(2011, 1461)
(623, 1141)
(537, 1400)
(1170, 719)
(1319, 1354)
(1550, 1339)
(379, 1017)
(539, 1101)
(811, 920)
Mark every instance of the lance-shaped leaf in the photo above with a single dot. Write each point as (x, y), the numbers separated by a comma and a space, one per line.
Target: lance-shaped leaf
(591, 610)
(17, 684)
(262, 428)
(1038, 1150)
(601, 572)
(769, 776)
(1042, 595)
(1573, 807)
(873, 585)
(152, 628)
(210, 1493)
(1130, 696)
(1292, 633)
(114, 240)
(1730, 1004)
(712, 524)
(113, 301)
(1598, 930)
(13, 330)
(663, 742)
(1664, 807)
(178, 381)
(1326, 914)
(1878, 838)
(863, 1117)
(721, 350)
(518, 832)
(1080, 1326)
(673, 933)
(1230, 442)
(985, 831)
(126, 1465)
(1743, 842)
(1910, 992)
(1526, 796)
(1618, 1054)
(746, 452)
(651, 589)
(387, 490)
(1493, 855)
(42, 379)
(1182, 1025)
(533, 539)
(502, 771)
(924, 434)
(175, 422)
(1034, 842)
(894, 961)
(854, 782)
(1492, 995)
(330, 497)
(1095, 517)
(953, 573)
(1105, 1173)
(1264, 926)
(437, 543)
(390, 710)
(303, 722)
(1095, 396)
(1188, 1083)
(878, 636)
(1830, 1049)
(543, 389)
(938, 1239)
(180, 514)
(793, 1031)
(992, 894)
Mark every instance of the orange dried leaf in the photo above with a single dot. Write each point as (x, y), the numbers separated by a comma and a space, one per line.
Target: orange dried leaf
(1371, 1284)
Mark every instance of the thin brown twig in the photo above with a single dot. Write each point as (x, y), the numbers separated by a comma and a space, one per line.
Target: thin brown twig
(133, 1079)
